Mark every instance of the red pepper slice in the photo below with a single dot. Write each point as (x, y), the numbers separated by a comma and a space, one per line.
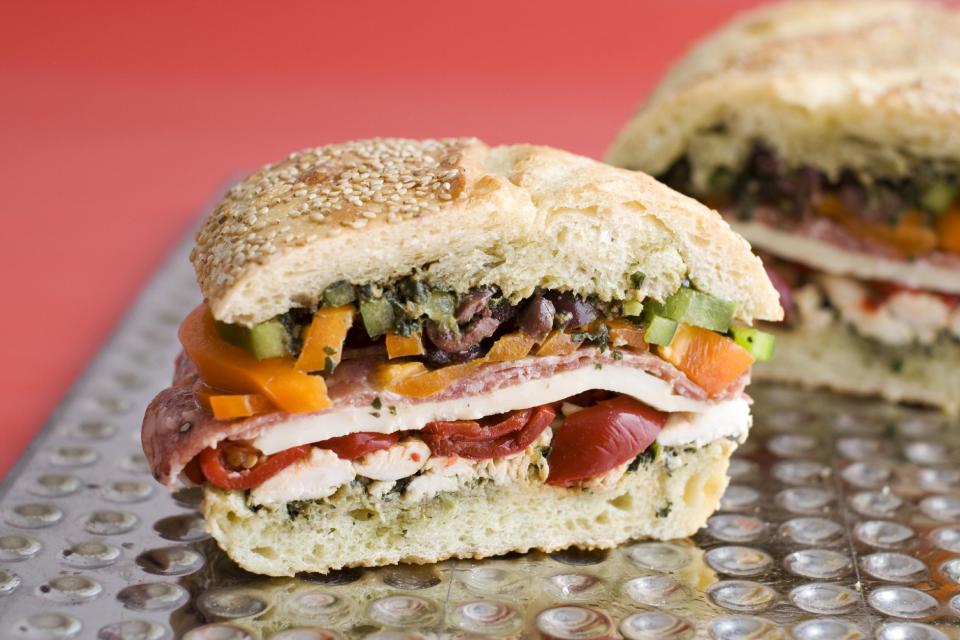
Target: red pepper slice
(492, 427)
(193, 472)
(445, 440)
(357, 444)
(596, 439)
(217, 473)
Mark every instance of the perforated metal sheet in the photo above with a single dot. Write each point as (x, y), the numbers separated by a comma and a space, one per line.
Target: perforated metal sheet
(842, 520)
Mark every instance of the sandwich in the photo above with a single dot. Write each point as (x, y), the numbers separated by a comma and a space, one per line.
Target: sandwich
(828, 134)
(417, 350)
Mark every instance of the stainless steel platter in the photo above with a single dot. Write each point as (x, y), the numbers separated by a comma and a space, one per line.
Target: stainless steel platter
(842, 520)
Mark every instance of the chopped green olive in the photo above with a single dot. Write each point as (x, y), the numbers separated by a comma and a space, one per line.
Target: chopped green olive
(439, 307)
(758, 343)
(378, 316)
(339, 294)
(660, 330)
(699, 309)
(632, 308)
(412, 289)
(268, 339)
(938, 196)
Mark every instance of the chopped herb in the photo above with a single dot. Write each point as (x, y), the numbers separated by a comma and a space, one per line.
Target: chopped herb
(406, 326)
(649, 454)
(401, 485)
(377, 403)
(600, 337)
(368, 291)
(598, 366)
(328, 365)
(665, 510)
(616, 355)
(329, 350)
(392, 409)
(375, 414)
(295, 508)
(637, 278)
(412, 289)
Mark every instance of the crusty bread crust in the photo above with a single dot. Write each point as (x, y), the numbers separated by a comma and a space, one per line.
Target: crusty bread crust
(867, 84)
(350, 529)
(462, 215)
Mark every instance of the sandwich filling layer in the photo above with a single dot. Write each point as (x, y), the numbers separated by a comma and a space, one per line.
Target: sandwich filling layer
(904, 227)
(416, 391)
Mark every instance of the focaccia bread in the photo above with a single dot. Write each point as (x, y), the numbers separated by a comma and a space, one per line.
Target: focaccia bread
(417, 350)
(828, 134)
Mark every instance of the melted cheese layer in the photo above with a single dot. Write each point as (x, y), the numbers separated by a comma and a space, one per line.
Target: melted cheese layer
(647, 388)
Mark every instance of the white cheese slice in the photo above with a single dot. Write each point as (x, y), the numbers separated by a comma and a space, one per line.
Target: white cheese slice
(730, 418)
(920, 274)
(305, 429)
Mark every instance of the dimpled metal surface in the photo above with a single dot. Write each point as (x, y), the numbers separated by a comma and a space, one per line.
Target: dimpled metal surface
(842, 520)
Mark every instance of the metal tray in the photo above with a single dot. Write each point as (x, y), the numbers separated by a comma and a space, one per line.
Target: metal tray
(842, 520)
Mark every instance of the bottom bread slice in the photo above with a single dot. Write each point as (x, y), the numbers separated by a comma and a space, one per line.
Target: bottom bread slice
(668, 497)
(837, 357)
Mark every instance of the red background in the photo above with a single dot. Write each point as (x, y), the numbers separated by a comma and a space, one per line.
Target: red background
(119, 121)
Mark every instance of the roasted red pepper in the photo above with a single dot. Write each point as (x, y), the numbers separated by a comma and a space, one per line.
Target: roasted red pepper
(594, 440)
(357, 444)
(470, 439)
(216, 471)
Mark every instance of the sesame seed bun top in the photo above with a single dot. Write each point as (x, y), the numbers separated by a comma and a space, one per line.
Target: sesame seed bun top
(461, 214)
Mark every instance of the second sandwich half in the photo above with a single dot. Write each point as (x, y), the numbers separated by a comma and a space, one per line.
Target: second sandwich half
(416, 350)
(826, 132)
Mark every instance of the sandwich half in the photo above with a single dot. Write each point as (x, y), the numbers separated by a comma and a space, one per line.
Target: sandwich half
(828, 134)
(418, 350)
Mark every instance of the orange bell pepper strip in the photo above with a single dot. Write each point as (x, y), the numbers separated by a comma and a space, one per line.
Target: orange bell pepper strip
(231, 368)
(511, 346)
(558, 343)
(624, 333)
(229, 406)
(709, 359)
(400, 346)
(413, 379)
(425, 383)
(390, 375)
(239, 406)
(948, 229)
(910, 235)
(323, 339)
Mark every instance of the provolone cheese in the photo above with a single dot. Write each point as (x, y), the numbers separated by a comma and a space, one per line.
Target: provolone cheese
(918, 273)
(729, 419)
